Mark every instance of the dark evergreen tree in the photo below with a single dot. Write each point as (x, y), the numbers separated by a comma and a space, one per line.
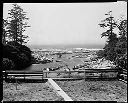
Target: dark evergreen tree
(17, 24)
(5, 32)
(18, 56)
(110, 24)
(116, 47)
(121, 46)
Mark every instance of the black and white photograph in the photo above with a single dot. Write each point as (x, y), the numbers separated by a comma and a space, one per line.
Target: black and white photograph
(64, 51)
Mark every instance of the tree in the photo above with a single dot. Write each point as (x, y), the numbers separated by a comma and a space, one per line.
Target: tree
(121, 46)
(110, 24)
(18, 56)
(116, 47)
(123, 28)
(4, 35)
(17, 24)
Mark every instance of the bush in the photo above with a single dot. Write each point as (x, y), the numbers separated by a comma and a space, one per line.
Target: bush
(19, 54)
(100, 54)
(7, 64)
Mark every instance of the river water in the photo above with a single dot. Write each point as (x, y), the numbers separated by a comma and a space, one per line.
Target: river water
(35, 67)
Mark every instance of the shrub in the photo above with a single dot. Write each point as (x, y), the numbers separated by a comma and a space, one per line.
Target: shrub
(19, 54)
(7, 64)
(100, 54)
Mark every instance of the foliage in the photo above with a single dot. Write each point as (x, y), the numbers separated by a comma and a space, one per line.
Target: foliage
(116, 46)
(17, 24)
(110, 24)
(121, 46)
(7, 64)
(21, 59)
(34, 60)
(5, 34)
(13, 40)
(100, 54)
(109, 49)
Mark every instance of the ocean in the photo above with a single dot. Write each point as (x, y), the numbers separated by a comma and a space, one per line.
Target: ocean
(65, 46)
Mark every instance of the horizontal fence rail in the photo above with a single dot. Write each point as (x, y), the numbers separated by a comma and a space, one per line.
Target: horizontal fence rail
(40, 72)
(24, 74)
(124, 71)
(123, 76)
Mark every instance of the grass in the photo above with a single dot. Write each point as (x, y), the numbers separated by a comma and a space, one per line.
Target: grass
(95, 90)
(78, 90)
(30, 92)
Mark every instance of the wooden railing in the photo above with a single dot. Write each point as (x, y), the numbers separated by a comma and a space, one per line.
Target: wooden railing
(123, 75)
(17, 74)
(44, 74)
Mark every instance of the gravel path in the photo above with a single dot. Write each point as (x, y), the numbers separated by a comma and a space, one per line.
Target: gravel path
(95, 90)
(30, 92)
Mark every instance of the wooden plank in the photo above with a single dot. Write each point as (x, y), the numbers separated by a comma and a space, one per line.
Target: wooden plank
(55, 78)
(46, 71)
(86, 70)
(124, 72)
(124, 75)
(84, 74)
(40, 78)
(123, 80)
(41, 73)
(25, 74)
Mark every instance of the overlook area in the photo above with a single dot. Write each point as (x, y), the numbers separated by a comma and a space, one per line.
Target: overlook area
(64, 52)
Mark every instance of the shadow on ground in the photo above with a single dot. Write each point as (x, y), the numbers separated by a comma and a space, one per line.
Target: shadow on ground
(26, 81)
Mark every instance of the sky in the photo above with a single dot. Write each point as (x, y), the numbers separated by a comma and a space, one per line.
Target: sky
(67, 23)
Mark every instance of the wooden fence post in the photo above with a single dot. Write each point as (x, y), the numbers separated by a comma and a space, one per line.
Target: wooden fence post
(42, 75)
(16, 82)
(46, 74)
(24, 76)
(84, 75)
(69, 74)
(5, 75)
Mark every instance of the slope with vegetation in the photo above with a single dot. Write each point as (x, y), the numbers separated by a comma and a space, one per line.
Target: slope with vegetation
(16, 55)
(115, 48)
